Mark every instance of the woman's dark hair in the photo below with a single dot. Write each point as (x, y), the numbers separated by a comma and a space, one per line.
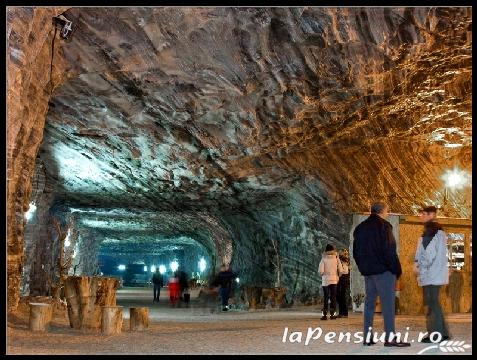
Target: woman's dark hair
(344, 257)
(329, 247)
(431, 228)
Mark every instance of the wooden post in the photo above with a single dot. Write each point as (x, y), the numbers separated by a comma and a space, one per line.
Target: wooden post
(279, 294)
(111, 319)
(138, 318)
(85, 295)
(254, 295)
(40, 316)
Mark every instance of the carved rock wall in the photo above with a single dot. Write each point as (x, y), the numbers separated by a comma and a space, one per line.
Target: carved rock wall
(252, 130)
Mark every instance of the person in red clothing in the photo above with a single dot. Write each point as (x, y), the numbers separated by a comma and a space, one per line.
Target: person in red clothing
(174, 289)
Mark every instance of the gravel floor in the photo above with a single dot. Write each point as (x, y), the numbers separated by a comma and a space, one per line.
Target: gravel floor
(203, 330)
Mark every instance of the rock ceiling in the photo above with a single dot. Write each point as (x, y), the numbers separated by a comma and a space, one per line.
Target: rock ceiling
(245, 125)
(174, 108)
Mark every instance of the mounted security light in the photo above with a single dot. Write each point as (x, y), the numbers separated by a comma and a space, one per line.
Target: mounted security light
(455, 179)
(122, 267)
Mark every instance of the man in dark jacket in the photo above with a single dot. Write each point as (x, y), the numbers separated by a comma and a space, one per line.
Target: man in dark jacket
(158, 282)
(184, 284)
(225, 280)
(374, 250)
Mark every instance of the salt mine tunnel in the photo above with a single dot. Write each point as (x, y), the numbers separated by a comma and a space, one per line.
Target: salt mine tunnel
(246, 136)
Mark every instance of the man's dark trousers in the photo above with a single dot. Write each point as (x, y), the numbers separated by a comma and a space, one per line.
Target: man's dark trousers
(329, 295)
(434, 317)
(157, 290)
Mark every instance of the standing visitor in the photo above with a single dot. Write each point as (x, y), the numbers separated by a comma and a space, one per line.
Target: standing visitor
(432, 271)
(330, 269)
(374, 250)
(225, 280)
(174, 289)
(343, 288)
(184, 285)
(158, 282)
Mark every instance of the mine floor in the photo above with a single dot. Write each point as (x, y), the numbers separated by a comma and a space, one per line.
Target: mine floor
(203, 329)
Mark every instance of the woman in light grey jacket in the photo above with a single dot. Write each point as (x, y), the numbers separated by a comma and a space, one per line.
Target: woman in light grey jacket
(432, 272)
(330, 269)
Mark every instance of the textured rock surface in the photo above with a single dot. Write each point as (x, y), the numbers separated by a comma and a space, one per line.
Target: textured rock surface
(254, 129)
(29, 88)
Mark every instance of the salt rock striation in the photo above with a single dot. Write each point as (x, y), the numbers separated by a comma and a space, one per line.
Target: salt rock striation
(254, 132)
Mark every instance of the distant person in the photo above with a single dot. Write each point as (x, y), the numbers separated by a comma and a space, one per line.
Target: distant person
(330, 269)
(225, 280)
(158, 282)
(343, 288)
(374, 250)
(174, 289)
(184, 286)
(432, 271)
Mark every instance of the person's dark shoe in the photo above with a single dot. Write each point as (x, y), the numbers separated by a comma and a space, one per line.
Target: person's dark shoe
(371, 343)
(342, 316)
(324, 317)
(332, 317)
(225, 308)
(396, 344)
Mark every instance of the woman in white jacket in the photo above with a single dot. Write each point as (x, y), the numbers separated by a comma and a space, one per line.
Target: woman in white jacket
(330, 269)
(432, 272)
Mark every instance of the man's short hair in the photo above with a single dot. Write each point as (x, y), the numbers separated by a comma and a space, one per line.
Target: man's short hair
(429, 209)
(378, 207)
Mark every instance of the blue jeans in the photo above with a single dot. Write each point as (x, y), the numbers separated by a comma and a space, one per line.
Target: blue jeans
(384, 286)
(157, 289)
(225, 294)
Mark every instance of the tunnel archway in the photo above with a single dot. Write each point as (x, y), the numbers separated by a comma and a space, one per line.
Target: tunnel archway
(100, 227)
(215, 120)
(115, 256)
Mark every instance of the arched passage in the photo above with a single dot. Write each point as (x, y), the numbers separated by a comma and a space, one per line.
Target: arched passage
(146, 113)
(97, 228)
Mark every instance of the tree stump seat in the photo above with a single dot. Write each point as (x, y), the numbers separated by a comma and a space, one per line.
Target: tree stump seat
(138, 318)
(40, 316)
(85, 296)
(258, 297)
(111, 319)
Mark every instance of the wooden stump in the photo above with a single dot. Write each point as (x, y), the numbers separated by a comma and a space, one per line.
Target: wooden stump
(85, 295)
(111, 319)
(254, 296)
(138, 318)
(40, 316)
(279, 296)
